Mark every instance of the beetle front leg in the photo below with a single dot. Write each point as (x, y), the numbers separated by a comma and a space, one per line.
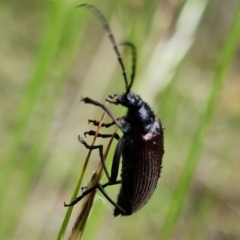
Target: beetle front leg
(116, 160)
(100, 147)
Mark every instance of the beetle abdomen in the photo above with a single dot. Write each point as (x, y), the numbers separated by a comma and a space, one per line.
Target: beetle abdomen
(141, 167)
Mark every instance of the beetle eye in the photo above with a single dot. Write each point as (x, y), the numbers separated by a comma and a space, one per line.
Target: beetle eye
(129, 97)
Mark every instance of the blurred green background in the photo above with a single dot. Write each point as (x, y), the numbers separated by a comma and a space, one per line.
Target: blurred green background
(188, 70)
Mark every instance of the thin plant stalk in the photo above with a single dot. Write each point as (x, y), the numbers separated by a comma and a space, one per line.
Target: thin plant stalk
(82, 218)
(78, 185)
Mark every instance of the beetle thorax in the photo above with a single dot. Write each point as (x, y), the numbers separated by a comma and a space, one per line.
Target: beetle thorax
(130, 101)
(139, 116)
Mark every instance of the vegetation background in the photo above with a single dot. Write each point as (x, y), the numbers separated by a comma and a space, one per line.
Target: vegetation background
(188, 70)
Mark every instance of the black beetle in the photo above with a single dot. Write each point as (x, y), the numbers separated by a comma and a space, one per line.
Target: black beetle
(141, 146)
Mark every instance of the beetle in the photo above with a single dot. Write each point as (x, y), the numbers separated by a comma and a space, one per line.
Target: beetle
(141, 146)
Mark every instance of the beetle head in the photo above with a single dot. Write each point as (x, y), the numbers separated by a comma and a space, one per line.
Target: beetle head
(129, 100)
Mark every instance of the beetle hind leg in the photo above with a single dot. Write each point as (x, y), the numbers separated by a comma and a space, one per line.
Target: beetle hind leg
(101, 189)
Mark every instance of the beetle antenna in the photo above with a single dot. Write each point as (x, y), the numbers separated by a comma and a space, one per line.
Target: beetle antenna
(107, 28)
(134, 62)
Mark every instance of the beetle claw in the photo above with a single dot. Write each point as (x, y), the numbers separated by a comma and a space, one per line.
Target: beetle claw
(80, 139)
(82, 99)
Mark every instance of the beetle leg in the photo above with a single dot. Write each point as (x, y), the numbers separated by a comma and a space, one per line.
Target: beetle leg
(93, 133)
(116, 160)
(83, 188)
(88, 100)
(100, 147)
(101, 189)
(96, 123)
